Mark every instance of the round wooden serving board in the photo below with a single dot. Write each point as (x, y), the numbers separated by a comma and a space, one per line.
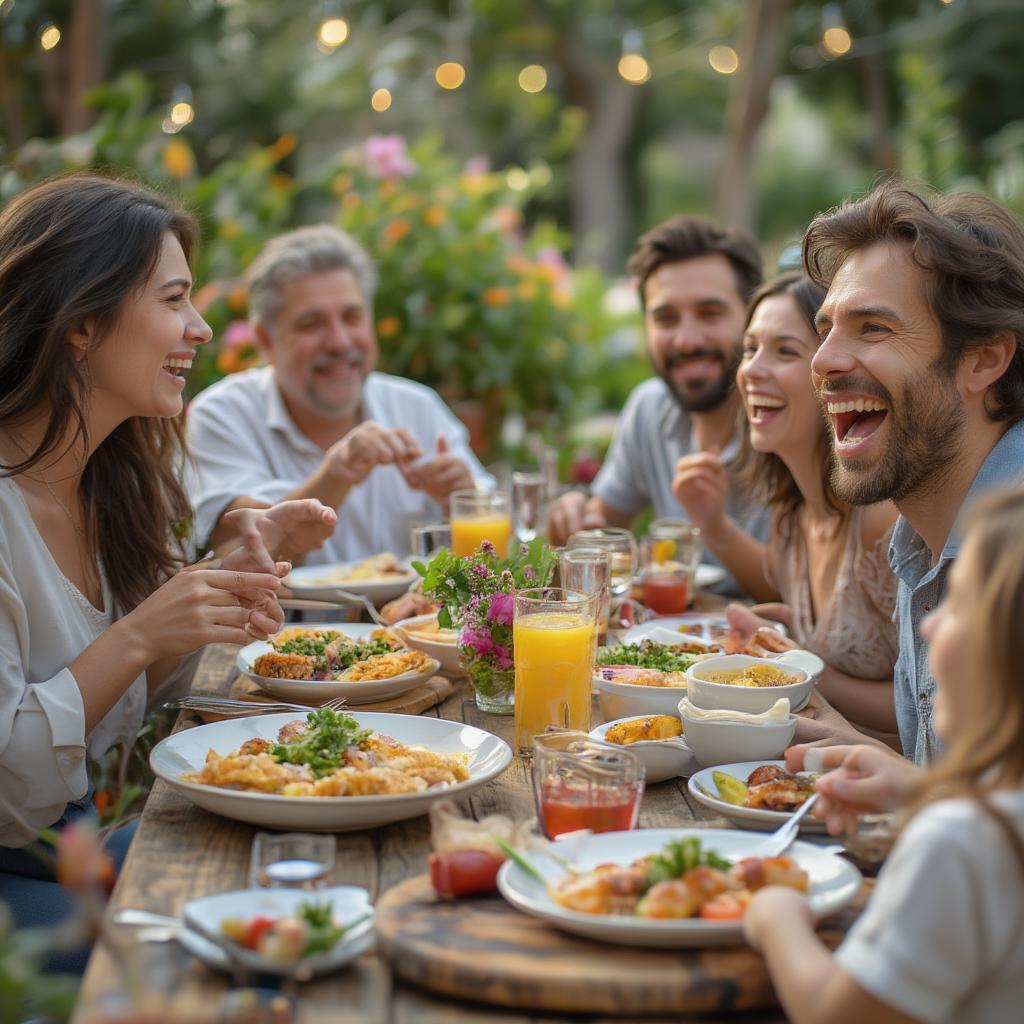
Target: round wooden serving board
(482, 949)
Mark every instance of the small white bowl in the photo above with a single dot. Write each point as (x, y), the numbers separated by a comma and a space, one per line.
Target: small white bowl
(631, 700)
(755, 699)
(663, 759)
(727, 742)
(446, 653)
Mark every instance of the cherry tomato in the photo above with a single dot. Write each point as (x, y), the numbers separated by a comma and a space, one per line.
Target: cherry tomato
(463, 873)
(255, 928)
(722, 908)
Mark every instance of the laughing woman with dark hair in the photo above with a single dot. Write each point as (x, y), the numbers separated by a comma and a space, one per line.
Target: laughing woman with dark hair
(96, 611)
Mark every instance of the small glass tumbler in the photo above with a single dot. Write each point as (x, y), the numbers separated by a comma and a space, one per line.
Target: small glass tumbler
(621, 546)
(529, 492)
(671, 553)
(426, 539)
(588, 570)
(581, 784)
(291, 860)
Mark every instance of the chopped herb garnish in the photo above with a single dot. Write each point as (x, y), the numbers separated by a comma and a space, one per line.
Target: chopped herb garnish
(647, 654)
(322, 746)
(681, 856)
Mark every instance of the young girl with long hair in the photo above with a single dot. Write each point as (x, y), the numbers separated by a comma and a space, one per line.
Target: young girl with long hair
(97, 330)
(825, 560)
(943, 936)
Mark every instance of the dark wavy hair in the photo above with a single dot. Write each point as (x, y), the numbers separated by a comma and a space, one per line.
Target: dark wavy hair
(972, 250)
(73, 248)
(686, 237)
(764, 475)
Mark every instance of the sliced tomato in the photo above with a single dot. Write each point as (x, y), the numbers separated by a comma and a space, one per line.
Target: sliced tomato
(725, 907)
(463, 873)
(255, 928)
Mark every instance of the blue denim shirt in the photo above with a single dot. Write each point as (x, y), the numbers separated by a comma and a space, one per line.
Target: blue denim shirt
(922, 586)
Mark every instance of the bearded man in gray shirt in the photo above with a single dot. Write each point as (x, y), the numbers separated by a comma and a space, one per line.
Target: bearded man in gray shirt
(694, 279)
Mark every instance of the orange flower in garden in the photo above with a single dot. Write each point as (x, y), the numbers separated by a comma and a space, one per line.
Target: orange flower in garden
(280, 181)
(238, 299)
(519, 265)
(284, 145)
(496, 296)
(527, 290)
(178, 159)
(507, 218)
(229, 229)
(350, 202)
(396, 230)
(388, 326)
(342, 183)
(434, 216)
(386, 189)
(229, 361)
(82, 863)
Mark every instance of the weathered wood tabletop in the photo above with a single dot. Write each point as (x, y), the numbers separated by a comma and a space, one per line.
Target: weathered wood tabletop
(181, 852)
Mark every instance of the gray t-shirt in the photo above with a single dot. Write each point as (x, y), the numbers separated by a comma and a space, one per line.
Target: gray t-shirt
(652, 434)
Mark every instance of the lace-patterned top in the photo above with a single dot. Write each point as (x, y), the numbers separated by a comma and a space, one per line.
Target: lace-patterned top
(854, 631)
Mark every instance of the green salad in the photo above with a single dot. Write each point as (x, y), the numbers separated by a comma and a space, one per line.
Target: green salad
(647, 654)
(322, 746)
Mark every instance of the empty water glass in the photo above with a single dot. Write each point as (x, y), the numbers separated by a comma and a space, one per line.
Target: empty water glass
(588, 570)
(622, 549)
(427, 539)
(529, 491)
(291, 860)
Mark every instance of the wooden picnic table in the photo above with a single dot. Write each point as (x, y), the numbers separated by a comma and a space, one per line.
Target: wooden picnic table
(181, 852)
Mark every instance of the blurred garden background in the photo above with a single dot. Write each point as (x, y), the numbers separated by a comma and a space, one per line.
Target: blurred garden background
(500, 159)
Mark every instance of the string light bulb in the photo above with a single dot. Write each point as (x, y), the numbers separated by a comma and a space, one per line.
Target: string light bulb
(49, 36)
(724, 59)
(450, 74)
(633, 65)
(533, 78)
(331, 34)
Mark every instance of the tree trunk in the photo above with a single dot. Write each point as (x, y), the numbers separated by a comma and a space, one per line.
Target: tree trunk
(599, 198)
(84, 65)
(764, 32)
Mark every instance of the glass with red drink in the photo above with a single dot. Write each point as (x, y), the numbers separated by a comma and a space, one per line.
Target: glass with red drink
(671, 554)
(581, 784)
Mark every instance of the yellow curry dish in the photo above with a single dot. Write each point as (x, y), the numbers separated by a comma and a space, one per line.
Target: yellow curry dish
(751, 675)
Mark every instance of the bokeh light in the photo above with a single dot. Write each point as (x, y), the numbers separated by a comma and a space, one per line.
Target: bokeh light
(381, 100)
(450, 75)
(533, 78)
(723, 59)
(634, 68)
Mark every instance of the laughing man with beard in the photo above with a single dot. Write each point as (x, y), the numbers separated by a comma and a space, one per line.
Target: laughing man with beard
(921, 375)
(694, 280)
(318, 422)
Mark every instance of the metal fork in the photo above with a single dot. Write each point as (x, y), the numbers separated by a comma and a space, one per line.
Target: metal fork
(782, 838)
(228, 706)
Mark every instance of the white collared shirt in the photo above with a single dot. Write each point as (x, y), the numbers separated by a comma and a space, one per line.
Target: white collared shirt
(244, 442)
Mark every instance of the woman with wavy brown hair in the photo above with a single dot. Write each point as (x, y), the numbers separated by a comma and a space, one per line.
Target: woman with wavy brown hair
(940, 939)
(97, 330)
(825, 560)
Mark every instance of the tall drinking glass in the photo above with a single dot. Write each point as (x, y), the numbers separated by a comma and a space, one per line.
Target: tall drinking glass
(555, 639)
(621, 547)
(588, 570)
(477, 516)
(529, 491)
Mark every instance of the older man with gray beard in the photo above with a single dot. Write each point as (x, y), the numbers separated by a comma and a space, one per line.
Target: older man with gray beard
(318, 422)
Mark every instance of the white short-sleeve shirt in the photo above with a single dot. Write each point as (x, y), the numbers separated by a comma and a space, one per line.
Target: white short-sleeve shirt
(244, 442)
(942, 939)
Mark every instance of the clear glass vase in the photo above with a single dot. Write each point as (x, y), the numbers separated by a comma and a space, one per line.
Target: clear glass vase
(494, 688)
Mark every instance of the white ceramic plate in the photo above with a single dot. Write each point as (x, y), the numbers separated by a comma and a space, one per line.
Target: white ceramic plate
(202, 918)
(446, 653)
(708, 575)
(318, 582)
(702, 786)
(366, 691)
(663, 759)
(834, 883)
(186, 751)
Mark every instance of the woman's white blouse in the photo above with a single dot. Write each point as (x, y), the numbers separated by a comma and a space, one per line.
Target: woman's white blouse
(45, 623)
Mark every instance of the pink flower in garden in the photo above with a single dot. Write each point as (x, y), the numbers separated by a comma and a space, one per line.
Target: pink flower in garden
(477, 639)
(501, 609)
(237, 335)
(487, 547)
(386, 156)
(478, 165)
(481, 570)
(584, 470)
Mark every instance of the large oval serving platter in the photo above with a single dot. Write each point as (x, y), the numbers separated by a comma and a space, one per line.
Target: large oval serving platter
(186, 751)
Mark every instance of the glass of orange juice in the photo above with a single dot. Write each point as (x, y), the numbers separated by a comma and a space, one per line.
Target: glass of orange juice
(555, 639)
(477, 516)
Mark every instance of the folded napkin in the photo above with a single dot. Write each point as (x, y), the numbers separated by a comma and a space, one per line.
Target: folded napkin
(777, 713)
